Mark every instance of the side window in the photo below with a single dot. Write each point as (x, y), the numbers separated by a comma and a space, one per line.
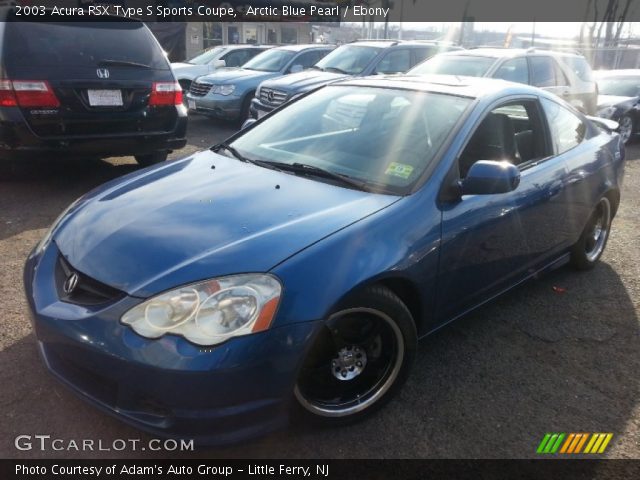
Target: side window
(421, 54)
(308, 59)
(561, 78)
(236, 58)
(514, 70)
(511, 132)
(396, 61)
(542, 72)
(567, 130)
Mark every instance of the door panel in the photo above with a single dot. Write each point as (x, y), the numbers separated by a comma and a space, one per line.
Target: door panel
(491, 242)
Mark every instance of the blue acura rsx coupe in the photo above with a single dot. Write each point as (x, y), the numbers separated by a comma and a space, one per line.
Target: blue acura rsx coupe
(288, 272)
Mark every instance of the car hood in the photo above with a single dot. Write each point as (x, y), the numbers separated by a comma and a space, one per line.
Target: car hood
(610, 100)
(186, 221)
(304, 81)
(181, 66)
(230, 75)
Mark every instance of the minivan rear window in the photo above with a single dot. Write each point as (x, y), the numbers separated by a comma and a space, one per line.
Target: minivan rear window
(81, 44)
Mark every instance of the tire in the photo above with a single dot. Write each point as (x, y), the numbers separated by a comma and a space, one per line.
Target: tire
(591, 244)
(185, 85)
(246, 105)
(359, 360)
(627, 127)
(151, 158)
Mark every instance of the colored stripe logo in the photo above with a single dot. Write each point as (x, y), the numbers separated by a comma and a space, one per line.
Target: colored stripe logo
(553, 443)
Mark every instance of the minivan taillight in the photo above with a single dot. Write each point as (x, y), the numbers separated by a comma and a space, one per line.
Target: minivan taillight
(7, 98)
(165, 93)
(27, 93)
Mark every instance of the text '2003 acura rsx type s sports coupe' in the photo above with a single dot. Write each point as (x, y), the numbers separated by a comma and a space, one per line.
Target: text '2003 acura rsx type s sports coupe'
(289, 272)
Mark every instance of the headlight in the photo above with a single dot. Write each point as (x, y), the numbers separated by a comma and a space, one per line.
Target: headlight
(607, 112)
(223, 89)
(47, 236)
(209, 312)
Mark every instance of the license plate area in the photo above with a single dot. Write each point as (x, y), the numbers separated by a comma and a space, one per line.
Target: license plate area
(105, 98)
(191, 104)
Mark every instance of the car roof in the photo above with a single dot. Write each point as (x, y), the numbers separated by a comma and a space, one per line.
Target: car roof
(374, 43)
(508, 52)
(632, 72)
(244, 45)
(304, 46)
(472, 87)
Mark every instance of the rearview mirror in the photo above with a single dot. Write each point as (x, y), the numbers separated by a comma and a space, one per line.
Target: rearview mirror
(297, 68)
(219, 64)
(487, 177)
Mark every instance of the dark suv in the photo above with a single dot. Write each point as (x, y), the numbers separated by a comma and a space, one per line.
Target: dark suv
(356, 59)
(86, 89)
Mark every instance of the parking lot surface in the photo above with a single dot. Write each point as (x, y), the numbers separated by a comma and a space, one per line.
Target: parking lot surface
(558, 354)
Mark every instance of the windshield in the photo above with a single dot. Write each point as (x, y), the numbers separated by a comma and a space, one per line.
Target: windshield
(469, 65)
(206, 57)
(351, 59)
(270, 61)
(384, 138)
(619, 86)
(81, 44)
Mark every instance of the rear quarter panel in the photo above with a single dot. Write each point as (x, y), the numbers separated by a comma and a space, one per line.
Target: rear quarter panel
(594, 168)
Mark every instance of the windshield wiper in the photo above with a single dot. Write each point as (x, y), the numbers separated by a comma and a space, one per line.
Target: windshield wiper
(230, 149)
(336, 69)
(122, 63)
(242, 158)
(306, 169)
(316, 68)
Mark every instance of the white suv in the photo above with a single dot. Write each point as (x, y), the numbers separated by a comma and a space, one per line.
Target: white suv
(565, 74)
(208, 61)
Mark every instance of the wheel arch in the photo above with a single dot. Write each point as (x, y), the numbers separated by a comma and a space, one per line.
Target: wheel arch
(404, 288)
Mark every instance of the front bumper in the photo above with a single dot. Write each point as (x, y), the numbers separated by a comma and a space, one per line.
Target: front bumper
(257, 109)
(216, 105)
(168, 386)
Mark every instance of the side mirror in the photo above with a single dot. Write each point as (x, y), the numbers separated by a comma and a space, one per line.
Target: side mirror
(487, 177)
(218, 64)
(296, 68)
(248, 122)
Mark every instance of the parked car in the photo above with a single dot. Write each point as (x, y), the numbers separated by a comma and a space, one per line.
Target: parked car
(86, 89)
(566, 74)
(291, 269)
(356, 59)
(227, 93)
(619, 99)
(213, 59)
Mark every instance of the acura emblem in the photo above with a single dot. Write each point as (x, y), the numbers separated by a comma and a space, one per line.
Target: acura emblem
(70, 283)
(102, 73)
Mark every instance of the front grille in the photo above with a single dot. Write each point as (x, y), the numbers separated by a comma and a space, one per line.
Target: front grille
(199, 89)
(87, 291)
(271, 97)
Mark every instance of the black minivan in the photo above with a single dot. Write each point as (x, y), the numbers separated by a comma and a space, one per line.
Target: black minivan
(86, 89)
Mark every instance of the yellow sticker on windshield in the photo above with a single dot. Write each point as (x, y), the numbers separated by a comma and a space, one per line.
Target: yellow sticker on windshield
(399, 170)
